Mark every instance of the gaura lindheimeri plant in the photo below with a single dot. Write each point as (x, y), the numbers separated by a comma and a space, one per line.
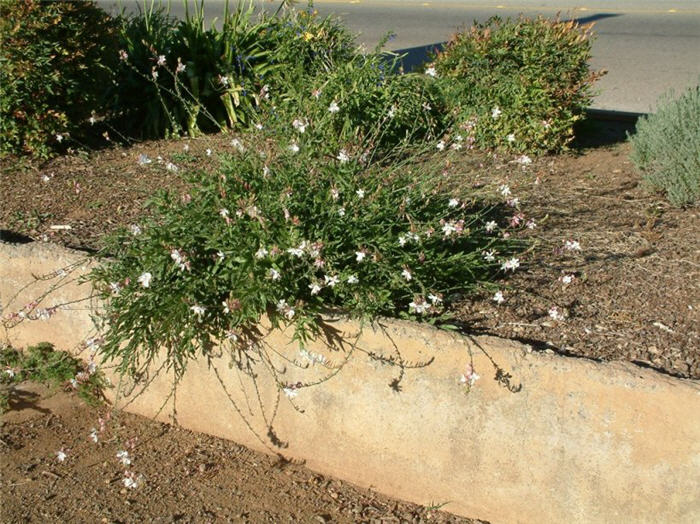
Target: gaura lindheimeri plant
(291, 234)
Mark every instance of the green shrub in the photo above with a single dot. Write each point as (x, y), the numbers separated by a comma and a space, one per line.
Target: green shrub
(55, 60)
(666, 147)
(518, 85)
(293, 225)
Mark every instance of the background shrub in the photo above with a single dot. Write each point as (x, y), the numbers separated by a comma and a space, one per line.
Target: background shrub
(289, 226)
(362, 101)
(527, 78)
(666, 147)
(55, 60)
(182, 77)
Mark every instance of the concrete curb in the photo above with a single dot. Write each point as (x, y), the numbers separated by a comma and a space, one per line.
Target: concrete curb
(579, 442)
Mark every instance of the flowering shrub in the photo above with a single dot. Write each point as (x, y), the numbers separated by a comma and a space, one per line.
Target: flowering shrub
(666, 147)
(518, 85)
(363, 101)
(55, 60)
(290, 227)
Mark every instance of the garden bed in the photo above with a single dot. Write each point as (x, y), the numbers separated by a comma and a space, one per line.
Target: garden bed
(633, 292)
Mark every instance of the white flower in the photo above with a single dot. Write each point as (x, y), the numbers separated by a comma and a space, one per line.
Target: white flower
(299, 125)
(335, 194)
(274, 274)
(555, 314)
(93, 435)
(261, 253)
(431, 72)
(511, 138)
(427, 106)
(456, 146)
(293, 147)
(224, 80)
(440, 145)
(531, 224)
(145, 279)
(448, 228)
(92, 120)
(341, 211)
(198, 310)
(295, 251)
(208, 152)
(489, 256)
(360, 255)
(524, 160)
(180, 67)
(498, 297)
(238, 145)
(315, 288)
(470, 377)
(435, 299)
(46, 178)
(392, 112)
(224, 212)
(504, 190)
(10, 372)
(572, 245)
(567, 279)
(132, 482)
(352, 279)
(220, 255)
(402, 240)
(291, 392)
(61, 455)
(513, 202)
(266, 171)
(74, 383)
(123, 457)
(496, 112)
(360, 193)
(186, 148)
(123, 56)
(453, 202)
(258, 126)
(289, 313)
(490, 226)
(154, 74)
(343, 156)
(420, 306)
(59, 138)
(407, 275)
(511, 264)
(331, 281)
(333, 108)
(144, 160)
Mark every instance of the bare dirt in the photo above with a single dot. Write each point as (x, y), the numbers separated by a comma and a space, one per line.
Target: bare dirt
(183, 476)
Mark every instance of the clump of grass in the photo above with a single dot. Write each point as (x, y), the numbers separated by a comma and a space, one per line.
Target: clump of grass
(666, 147)
(44, 364)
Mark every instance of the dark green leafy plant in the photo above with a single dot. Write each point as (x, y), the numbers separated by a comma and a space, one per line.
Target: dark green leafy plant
(518, 85)
(666, 147)
(55, 60)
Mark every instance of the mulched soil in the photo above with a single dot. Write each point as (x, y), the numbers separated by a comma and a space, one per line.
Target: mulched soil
(187, 477)
(635, 290)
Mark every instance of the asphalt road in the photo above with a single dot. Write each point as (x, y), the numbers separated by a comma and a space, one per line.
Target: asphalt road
(648, 47)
